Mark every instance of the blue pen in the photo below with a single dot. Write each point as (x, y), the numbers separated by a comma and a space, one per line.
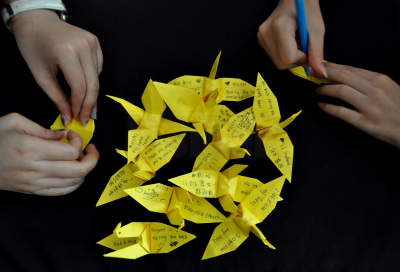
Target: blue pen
(302, 26)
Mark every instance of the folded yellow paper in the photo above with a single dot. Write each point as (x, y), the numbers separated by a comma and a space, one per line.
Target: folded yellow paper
(150, 122)
(189, 107)
(142, 169)
(299, 71)
(176, 203)
(138, 239)
(277, 144)
(226, 142)
(254, 209)
(213, 184)
(229, 89)
(86, 132)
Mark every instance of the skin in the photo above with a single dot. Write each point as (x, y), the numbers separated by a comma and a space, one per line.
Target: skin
(34, 161)
(277, 36)
(375, 97)
(49, 45)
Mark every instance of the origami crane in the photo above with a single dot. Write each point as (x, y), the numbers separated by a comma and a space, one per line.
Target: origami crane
(150, 122)
(86, 132)
(138, 239)
(299, 71)
(187, 106)
(142, 169)
(176, 203)
(215, 184)
(229, 89)
(229, 235)
(277, 144)
(226, 142)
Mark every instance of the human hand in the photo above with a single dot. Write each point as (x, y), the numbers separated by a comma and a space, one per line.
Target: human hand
(375, 97)
(277, 36)
(34, 161)
(49, 44)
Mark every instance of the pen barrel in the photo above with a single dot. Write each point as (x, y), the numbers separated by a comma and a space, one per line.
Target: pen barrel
(302, 25)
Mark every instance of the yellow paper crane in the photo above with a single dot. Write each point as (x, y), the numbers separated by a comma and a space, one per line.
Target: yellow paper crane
(86, 132)
(150, 122)
(176, 203)
(228, 236)
(142, 169)
(189, 107)
(226, 142)
(299, 71)
(229, 89)
(215, 184)
(277, 144)
(138, 239)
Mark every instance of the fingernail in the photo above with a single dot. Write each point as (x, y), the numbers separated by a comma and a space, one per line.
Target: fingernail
(325, 74)
(320, 104)
(64, 120)
(60, 131)
(94, 146)
(317, 89)
(86, 121)
(94, 114)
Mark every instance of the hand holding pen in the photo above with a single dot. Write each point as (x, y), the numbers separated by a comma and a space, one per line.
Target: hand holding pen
(277, 36)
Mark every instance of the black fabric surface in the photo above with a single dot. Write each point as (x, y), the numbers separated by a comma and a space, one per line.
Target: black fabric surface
(341, 212)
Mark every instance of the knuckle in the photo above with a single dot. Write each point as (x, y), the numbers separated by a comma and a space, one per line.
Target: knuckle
(13, 117)
(276, 24)
(83, 171)
(287, 60)
(382, 79)
(342, 91)
(344, 73)
(280, 66)
(341, 113)
(79, 91)
(95, 87)
(75, 153)
(77, 181)
(64, 51)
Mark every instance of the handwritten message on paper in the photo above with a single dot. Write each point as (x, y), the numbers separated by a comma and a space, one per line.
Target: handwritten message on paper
(138, 140)
(165, 238)
(203, 183)
(161, 151)
(121, 180)
(244, 187)
(226, 238)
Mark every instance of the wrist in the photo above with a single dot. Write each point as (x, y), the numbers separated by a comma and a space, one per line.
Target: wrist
(29, 17)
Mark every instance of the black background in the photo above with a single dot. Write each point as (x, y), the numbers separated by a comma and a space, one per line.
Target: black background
(341, 212)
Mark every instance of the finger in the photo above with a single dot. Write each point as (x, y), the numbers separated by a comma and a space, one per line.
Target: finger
(350, 116)
(94, 112)
(92, 86)
(353, 77)
(74, 140)
(74, 169)
(58, 191)
(76, 80)
(99, 56)
(47, 183)
(273, 54)
(287, 46)
(316, 33)
(47, 80)
(345, 93)
(47, 150)
(24, 125)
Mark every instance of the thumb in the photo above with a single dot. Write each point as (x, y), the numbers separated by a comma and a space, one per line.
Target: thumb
(24, 125)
